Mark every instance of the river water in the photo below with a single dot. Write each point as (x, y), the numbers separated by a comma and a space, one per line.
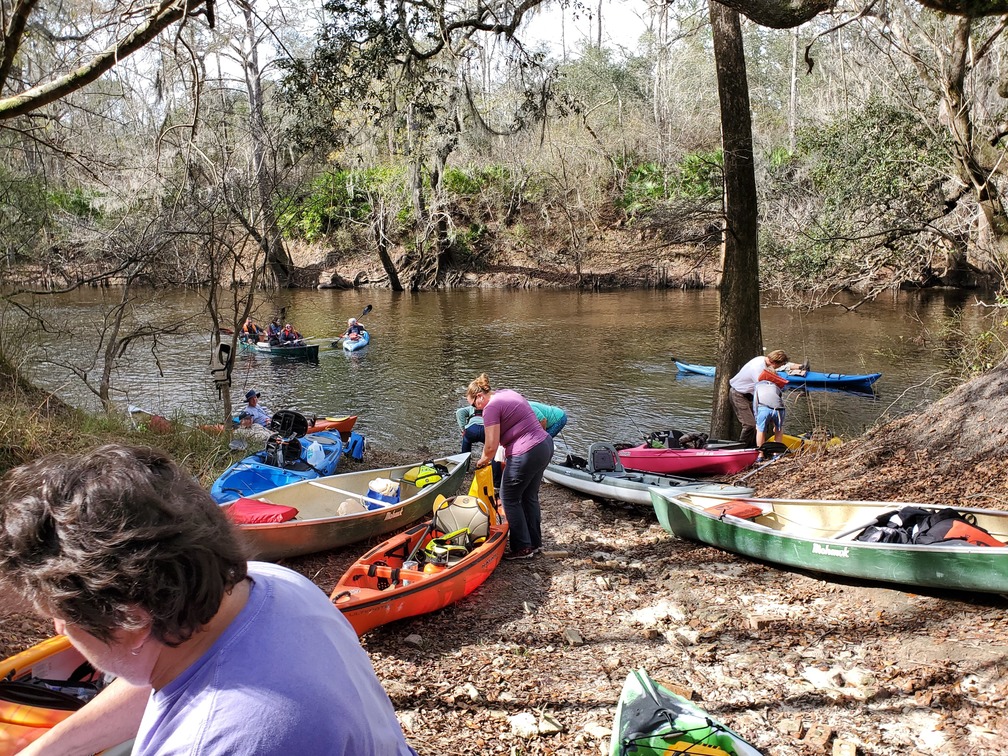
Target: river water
(606, 358)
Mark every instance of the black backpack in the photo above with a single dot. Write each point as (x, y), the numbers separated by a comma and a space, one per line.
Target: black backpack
(923, 526)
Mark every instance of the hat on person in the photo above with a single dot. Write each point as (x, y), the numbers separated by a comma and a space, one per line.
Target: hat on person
(244, 414)
(250, 393)
(352, 321)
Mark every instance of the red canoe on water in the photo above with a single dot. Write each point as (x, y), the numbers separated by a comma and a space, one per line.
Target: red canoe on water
(687, 461)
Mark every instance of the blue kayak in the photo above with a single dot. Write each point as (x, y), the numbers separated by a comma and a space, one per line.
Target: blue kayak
(281, 463)
(811, 378)
(352, 346)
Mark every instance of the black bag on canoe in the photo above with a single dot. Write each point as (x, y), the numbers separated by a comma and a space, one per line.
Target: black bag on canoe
(927, 527)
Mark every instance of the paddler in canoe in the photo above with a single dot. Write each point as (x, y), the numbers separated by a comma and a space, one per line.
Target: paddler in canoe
(251, 332)
(289, 336)
(212, 654)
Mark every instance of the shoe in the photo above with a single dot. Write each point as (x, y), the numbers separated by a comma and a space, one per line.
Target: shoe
(537, 550)
(526, 553)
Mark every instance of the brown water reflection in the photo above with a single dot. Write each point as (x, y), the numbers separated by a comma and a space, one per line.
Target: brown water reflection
(604, 357)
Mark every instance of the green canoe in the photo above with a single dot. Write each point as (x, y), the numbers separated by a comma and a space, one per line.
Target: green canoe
(822, 536)
(653, 721)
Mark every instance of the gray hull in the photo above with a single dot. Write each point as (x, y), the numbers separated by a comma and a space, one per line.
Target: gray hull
(631, 487)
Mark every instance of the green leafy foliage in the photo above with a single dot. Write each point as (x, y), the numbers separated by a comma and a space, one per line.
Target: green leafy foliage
(335, 199)
(698, 176)
(855, 196)
(472, 181)
(701, 175)
(882, 154)
(74, 201)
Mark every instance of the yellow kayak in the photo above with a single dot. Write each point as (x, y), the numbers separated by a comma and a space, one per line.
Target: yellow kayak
(805, 442)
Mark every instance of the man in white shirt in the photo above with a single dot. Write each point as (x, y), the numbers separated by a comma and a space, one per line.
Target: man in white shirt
(743, 383)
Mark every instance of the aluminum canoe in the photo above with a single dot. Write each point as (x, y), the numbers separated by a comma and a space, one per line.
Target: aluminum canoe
(319, 527)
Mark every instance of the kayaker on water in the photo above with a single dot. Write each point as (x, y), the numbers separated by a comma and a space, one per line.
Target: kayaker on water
(510, 422)
(211, 654)
(259, 414)
(743, 384)
(353, 331)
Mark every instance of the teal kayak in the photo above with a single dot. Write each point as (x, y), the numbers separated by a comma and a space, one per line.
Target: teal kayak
(651, 720)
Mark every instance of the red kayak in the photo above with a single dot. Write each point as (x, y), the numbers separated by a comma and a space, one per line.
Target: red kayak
(687, 461)
(378, 589)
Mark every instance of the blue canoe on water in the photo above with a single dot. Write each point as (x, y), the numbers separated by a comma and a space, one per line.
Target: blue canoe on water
(283, 461)
(811, 379)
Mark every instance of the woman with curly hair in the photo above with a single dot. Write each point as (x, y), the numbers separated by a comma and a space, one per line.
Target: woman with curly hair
(147, 578)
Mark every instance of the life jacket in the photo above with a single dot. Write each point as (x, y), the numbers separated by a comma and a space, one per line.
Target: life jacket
(927, 527)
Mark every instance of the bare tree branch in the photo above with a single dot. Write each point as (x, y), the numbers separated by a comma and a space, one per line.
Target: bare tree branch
(160, 18)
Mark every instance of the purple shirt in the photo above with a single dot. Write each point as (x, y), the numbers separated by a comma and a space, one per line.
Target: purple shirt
(287, 676)
(520, 430)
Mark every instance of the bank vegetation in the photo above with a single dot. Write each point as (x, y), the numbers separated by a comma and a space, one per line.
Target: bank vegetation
(260, 146)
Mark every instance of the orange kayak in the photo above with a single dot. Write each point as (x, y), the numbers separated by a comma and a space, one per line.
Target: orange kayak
(377, 589)
(27, 710)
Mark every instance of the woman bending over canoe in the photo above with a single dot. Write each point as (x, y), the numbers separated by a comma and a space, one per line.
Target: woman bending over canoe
(212, 654)
(510, 422)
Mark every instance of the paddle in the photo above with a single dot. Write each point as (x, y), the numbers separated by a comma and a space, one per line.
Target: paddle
(775, 448)
(366, 310)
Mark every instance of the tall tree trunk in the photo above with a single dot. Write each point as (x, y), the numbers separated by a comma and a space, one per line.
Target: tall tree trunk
(739, 333)
(992, 227)
(277, 258)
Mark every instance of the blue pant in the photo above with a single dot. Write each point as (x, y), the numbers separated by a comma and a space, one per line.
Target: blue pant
(473, 434)
(520, 494)
(557, 426)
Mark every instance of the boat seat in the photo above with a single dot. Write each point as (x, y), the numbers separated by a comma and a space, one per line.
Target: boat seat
(462, 513)
(602, 458)
(289, 423)
(245, 511)
(744, 510)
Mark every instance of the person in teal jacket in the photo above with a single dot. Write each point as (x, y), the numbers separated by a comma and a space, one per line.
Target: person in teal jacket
(553, 419)
(471, 423)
